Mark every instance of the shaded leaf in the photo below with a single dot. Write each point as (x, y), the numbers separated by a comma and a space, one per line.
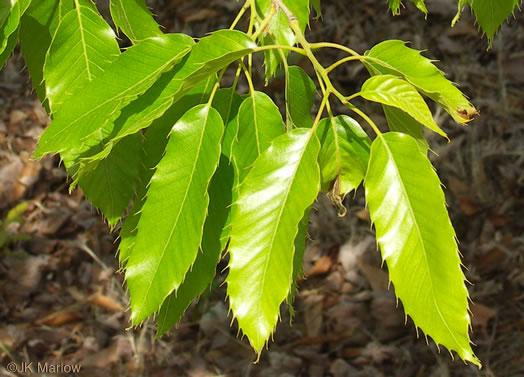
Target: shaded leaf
(395, 5)
(203, 270)
(111, 186)
(344, 153)
(11, 43)
(282, 184)
(82, 47)
(259, 122)
(420, 71)
(155, 141)
(300, 97)
(417, 240)
(393, 91)
(82, 121)
(172, 219)
(227, 102)
(134, 19)
(11, 20)
(399, 121)
(490, 14)
(36, 33)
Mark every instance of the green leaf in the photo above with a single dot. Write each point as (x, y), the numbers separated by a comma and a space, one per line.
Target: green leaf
(490, 14)
(227, 102)
(111, 186)
(208, 56)
(10, 22)
(155, 141)
(203, 270)
(298, 259)
(11, 43)
(83, 46)
(317, 8)
(259, 122)
(134, 19)
(283, 182)
(279, 30)
(399, 121)
(172, 218)
(395, 5)
(417, 240)
(395, 58)
(83, 119)
(37, 28)
(344, 154)
(393, 91)
(300, 97)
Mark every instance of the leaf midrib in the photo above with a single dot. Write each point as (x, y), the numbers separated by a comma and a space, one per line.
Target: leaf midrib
(406, 197)
(179, 212)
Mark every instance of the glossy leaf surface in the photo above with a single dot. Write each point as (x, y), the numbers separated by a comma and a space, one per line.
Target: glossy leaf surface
(203, 270)
(134, 19)
(420, 71)
(172, 218)
(208, 56)
(417, 241)
(283, 182)
(38, 26)
(393, 91)
(83, 121)
(82, 47)
(155, 141)
(344, 153)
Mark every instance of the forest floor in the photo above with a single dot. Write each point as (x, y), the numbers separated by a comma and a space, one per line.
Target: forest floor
(62, 299)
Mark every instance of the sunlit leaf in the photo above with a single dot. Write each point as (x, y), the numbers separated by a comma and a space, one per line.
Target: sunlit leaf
(420, 71)
(82, 47)
(172, 219)
(134, 19)
(203, 270)
(208, 56)
(83, 119)
(36, 33)
(393, 91)
(417, 241)
(154, 145)
(283, 182)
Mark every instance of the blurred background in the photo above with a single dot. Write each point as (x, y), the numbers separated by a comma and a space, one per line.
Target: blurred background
(62, 299)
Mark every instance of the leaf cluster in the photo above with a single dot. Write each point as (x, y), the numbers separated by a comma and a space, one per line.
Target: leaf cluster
(190, 170)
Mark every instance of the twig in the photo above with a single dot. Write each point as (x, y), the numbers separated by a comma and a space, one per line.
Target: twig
(280, 5)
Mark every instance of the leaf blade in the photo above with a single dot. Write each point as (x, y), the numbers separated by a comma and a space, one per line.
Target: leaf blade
(417, 240)
(82, 47)
(392, 91)
(81, 122)
(167, 245)
(282, 184)
(134, 19)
